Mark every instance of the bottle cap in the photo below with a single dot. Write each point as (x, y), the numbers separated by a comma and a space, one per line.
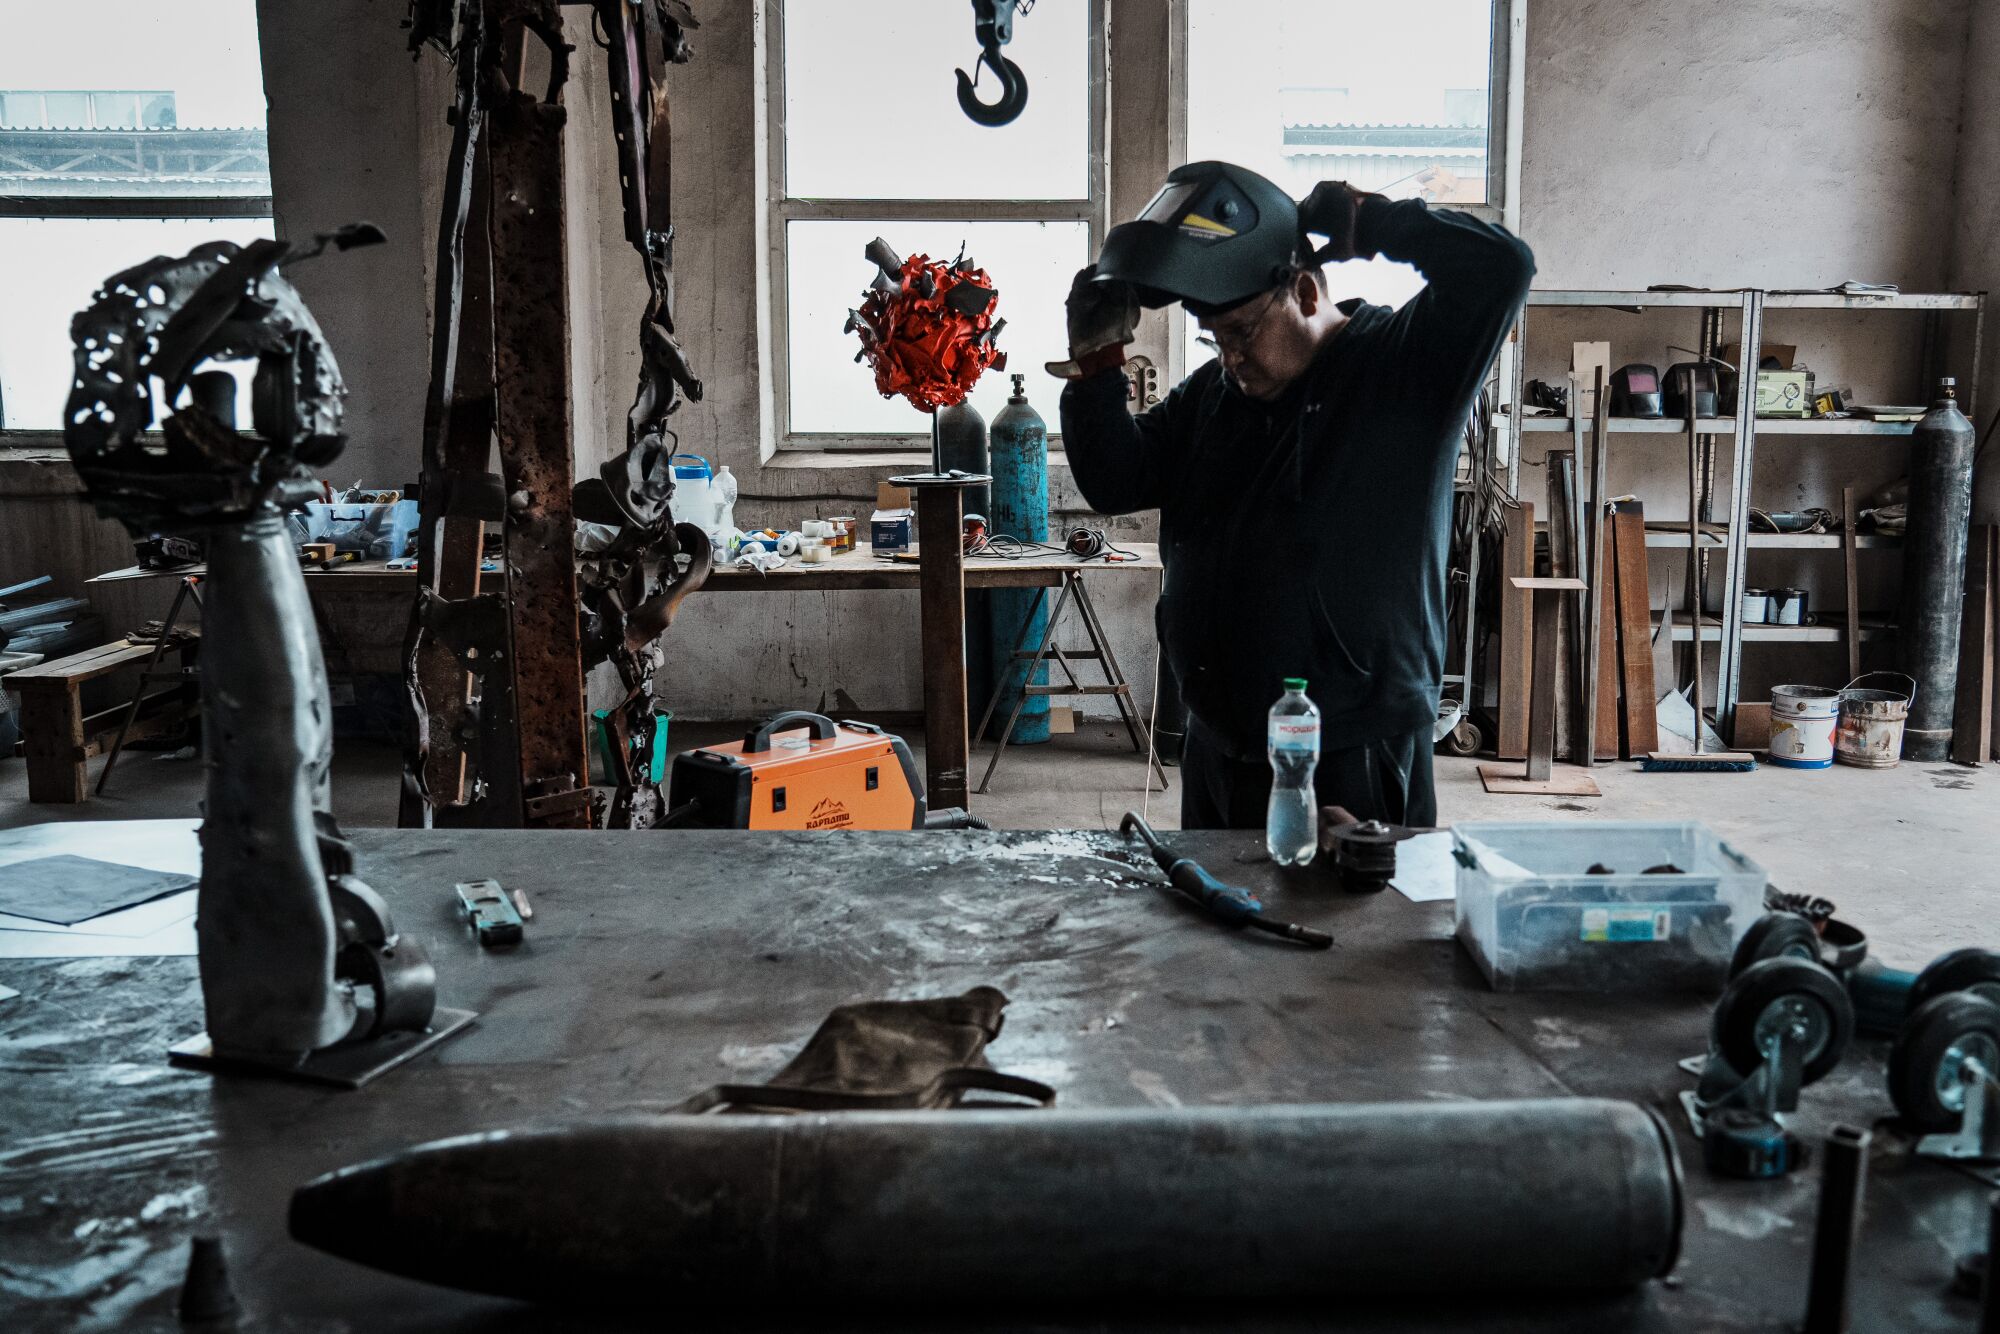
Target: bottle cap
(1297, 683)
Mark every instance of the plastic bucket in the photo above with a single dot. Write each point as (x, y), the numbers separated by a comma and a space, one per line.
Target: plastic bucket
(1870, 734)
(1802, 723)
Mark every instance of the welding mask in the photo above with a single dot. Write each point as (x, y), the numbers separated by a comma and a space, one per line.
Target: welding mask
(1215, 236)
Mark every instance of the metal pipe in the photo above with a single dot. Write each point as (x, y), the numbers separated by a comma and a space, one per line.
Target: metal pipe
(1941, 454)
(1251, 1202)
(1843, 1174)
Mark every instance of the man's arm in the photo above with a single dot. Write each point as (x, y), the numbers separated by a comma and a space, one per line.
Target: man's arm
(1476, 277)
(1121, 462)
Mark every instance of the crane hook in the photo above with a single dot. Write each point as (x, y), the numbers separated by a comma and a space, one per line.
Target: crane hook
(1013, 90)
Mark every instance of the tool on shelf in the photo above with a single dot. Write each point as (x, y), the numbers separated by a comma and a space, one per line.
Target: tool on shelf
(1228, 904)
(1728, 761)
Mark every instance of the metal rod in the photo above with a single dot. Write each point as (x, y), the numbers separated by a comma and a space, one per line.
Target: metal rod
(1694, 550)
(1597, 568)
(1843, 1175)
(1507, 1196)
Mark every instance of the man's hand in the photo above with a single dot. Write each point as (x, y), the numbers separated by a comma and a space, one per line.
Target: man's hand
(1103, 317)
(1331, 210)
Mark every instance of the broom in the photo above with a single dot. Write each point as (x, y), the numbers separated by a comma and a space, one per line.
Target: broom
(1726, 761)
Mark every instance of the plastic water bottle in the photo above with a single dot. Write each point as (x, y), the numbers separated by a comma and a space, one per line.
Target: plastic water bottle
(1291, 828)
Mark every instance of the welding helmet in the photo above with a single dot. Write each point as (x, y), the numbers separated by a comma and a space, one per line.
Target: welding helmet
(1213, 237)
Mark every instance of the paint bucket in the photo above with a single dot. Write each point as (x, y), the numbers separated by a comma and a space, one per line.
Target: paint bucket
(1870, 735)
(1802, 722)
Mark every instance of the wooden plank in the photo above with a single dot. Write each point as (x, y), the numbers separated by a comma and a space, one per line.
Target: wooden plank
(1506, 780)
(1641, 730)
(1851, 582)
(1531, 585)
(53, 743)
(1542, 696)
(1514, 673)
(1972, 720)
(1607, 730)
(79, 667)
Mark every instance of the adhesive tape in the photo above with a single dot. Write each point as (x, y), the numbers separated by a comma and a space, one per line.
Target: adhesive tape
(819, 528)
(816, 555)
(788, 545)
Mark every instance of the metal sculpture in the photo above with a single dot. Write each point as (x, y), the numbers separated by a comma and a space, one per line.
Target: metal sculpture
(297, 954)
(496, 681)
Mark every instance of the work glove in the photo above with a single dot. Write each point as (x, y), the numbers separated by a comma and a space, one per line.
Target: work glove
(1332, 210)
(1103, 317)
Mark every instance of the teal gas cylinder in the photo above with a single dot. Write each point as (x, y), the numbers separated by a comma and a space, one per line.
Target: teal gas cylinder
(1019, 450)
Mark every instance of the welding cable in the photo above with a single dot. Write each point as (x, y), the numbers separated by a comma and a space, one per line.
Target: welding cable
(1091, 543)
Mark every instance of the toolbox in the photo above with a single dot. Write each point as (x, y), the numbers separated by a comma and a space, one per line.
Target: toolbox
(801, 771)
(1602, 905)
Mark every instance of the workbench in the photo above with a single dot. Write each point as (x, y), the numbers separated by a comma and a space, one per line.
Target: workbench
(946, 759)
(658, 964)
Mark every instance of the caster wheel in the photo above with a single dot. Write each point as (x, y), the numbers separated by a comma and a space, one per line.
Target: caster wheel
(1464, 739)
(1935, 1042)
(1961, 970)
(1775, 935)
(1788, 994)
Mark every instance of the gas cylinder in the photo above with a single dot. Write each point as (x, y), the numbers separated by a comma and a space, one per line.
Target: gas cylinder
(1020, 467)
(1941, 454)
(962, 448)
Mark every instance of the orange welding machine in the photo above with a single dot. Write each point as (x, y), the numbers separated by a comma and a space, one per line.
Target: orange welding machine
(801, 771)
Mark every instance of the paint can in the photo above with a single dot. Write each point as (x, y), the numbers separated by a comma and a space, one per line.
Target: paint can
(1802, 723)
(1870, 735)
(1788, 606)
(1756, 606)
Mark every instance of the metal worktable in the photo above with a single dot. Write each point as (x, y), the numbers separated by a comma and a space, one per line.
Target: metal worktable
(660, 963)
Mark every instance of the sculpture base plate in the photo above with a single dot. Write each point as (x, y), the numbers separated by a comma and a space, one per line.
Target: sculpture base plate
(348, 1066)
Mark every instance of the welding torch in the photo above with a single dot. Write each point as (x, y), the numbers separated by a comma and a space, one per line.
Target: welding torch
(1227, 904)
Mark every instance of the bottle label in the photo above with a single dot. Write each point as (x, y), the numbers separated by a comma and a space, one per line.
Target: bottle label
(1300, 734)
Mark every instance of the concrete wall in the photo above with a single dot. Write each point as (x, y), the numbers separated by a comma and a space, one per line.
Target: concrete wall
(1766, 142)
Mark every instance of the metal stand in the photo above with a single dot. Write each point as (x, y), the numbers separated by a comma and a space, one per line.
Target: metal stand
(1115, 685)
(1736, 1117)
(1977, 1138)
(150, 672)
(941, 590)
(348, 1066)
(1539, 777)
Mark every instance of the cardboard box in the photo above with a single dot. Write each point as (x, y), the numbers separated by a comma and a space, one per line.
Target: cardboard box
(1585, 360)
(890, 527)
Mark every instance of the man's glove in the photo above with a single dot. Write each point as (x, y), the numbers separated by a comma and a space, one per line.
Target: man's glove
(1332, 210)
(1103, 317)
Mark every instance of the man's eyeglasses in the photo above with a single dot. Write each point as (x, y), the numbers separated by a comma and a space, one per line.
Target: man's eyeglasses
(1235, 340)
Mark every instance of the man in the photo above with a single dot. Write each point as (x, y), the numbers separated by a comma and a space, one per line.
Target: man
(1303, 479)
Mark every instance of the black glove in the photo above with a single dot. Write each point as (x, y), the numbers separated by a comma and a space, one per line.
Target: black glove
(1331, 210)
(1101, 315)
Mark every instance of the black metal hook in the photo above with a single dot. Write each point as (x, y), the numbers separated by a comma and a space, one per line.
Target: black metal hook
(1013, 90)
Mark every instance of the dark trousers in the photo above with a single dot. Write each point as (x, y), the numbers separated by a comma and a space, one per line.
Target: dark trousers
(1382, 780)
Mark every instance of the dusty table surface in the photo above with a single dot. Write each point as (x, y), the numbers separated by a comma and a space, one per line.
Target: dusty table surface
(660, 963)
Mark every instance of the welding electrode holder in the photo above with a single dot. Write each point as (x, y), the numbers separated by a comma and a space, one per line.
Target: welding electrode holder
(1228, 904)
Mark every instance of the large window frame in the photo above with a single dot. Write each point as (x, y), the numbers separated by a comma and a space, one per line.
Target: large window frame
(785, 208)
(35, 208)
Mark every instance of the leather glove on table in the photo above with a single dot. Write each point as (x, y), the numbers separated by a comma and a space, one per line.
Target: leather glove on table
(1103, 317)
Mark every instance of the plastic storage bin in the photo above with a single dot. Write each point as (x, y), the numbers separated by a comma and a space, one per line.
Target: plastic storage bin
(378, 532)
(1537, 917)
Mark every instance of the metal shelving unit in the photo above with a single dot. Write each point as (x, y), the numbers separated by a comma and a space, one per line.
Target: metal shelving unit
(1729, 534)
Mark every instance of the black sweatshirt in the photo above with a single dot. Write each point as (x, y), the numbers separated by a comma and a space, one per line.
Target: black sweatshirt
(1308, 537)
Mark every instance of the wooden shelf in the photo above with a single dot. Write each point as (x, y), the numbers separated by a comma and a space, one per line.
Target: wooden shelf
(1900, 301)
(1832, 631)
(1676, 538)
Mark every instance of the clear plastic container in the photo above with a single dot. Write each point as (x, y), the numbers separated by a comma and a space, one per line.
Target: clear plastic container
(1571, 905)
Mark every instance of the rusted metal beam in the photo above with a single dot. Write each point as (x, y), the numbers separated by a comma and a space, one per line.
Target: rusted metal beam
(532, 411)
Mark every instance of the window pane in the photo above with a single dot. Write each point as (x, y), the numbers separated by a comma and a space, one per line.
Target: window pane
(186, 74)
(49, 269)
(1031, 264)
(1392, 98)
(871, 103)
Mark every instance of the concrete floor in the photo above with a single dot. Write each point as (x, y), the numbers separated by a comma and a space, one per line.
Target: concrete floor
(1911, 854)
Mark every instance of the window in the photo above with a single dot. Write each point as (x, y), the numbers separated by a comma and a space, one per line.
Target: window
(874, 144)
(1396, 99)
(146, 139)
(1408, 100)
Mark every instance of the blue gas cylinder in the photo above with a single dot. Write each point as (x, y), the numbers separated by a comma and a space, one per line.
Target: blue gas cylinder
(1019, 448)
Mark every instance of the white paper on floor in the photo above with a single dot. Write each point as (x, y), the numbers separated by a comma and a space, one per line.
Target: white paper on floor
(1425, 869)
(8, 993)
(162, 927)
